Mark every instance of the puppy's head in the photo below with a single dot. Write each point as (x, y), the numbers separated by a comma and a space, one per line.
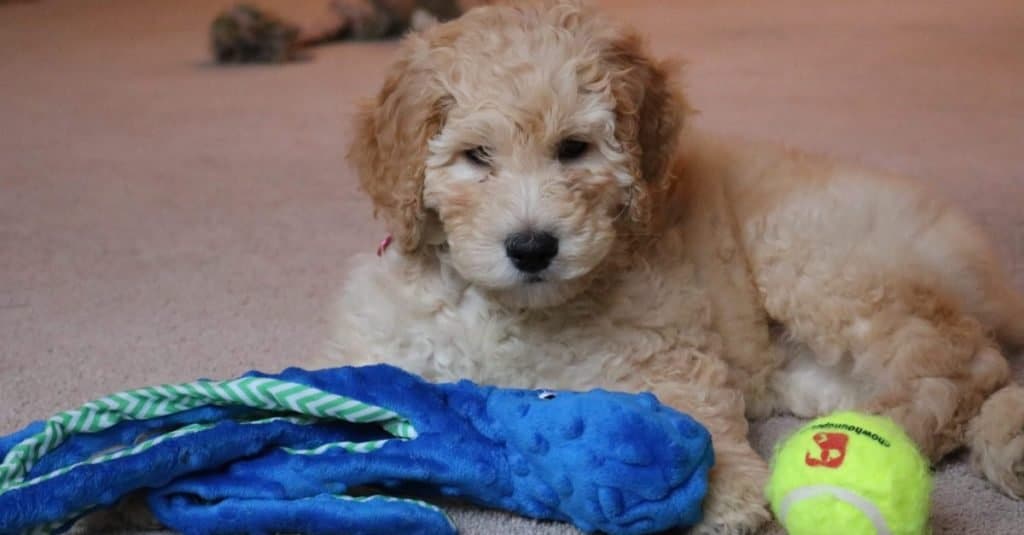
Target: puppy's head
(522, 144)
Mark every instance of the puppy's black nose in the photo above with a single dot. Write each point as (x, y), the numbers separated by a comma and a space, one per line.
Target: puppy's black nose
(531, 251)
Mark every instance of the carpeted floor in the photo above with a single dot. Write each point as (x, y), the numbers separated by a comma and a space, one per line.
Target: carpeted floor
(162, 219)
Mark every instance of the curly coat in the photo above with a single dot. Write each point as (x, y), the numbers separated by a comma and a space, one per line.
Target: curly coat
(733, 279)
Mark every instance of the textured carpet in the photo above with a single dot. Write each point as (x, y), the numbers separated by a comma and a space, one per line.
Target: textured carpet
(161, 219)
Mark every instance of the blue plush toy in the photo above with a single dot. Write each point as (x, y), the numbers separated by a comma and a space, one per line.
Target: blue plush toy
(300, 451)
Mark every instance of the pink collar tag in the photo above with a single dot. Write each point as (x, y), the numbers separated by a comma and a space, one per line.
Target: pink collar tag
(384, 244)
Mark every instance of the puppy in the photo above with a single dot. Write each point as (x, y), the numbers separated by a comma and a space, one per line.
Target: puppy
(558, 224)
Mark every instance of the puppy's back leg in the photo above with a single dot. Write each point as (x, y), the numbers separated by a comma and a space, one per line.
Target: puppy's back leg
(895, 290)
(917, 358)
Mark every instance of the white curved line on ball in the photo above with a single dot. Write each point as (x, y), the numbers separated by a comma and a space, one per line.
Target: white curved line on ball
(863, 504)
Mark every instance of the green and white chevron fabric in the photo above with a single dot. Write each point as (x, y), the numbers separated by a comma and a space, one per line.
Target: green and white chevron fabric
(301, 403)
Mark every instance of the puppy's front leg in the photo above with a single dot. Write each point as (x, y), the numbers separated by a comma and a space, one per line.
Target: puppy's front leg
(735, 503)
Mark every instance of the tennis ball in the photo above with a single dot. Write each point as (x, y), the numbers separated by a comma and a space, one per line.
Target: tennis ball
(850, 473)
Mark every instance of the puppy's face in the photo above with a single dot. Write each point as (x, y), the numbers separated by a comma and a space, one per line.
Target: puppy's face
(526, 175)
(528, 143)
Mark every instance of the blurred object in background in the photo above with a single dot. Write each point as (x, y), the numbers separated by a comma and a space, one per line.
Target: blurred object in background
(247, 34)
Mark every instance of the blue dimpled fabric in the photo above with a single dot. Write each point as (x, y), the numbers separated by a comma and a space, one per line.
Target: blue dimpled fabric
(358, 450)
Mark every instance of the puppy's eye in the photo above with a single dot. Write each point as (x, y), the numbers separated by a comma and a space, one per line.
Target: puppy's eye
(572, 149)
(478, 155)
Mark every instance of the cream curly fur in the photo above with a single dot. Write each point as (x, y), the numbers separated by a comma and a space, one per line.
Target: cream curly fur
(733, 280)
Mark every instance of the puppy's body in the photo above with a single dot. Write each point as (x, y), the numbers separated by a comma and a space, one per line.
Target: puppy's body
(732, 280)
(754, 232)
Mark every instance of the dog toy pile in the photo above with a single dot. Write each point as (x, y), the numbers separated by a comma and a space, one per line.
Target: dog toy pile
(357, 450)
(850, 473)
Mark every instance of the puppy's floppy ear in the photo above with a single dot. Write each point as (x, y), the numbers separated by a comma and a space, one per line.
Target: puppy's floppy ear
(390, 147)
(650, 112)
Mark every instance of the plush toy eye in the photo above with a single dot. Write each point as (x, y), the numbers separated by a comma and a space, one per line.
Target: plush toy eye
(478, 156)
(547, 395)
(572, 149)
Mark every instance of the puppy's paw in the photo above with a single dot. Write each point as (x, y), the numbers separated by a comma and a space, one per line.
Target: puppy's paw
(997, 440)
(733, 518)
(736, 504)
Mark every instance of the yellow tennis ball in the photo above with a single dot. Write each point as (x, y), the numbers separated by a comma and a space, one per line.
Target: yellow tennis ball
(850, 473)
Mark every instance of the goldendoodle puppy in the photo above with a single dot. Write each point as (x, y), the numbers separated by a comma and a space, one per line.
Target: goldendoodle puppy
(556, 223)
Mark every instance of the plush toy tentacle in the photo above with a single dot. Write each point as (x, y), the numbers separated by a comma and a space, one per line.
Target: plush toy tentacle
(321, 514)
(429, 466)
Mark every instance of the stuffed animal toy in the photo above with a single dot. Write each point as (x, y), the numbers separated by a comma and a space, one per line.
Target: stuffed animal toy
(357, 450)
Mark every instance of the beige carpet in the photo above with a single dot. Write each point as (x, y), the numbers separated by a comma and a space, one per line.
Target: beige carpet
(161, 219)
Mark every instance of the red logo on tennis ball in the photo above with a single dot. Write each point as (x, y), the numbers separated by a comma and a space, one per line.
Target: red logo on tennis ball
(833, 450)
